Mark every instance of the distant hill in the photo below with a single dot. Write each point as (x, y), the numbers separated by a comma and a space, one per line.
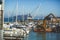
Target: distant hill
(19, 17)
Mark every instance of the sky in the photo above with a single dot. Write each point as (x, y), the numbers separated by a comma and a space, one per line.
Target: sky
(37, 8)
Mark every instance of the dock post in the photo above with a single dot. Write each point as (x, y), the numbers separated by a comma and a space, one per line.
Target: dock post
(1, 19)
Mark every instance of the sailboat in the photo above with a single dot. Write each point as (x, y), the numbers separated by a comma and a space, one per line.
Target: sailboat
(25, 27)
(14, 31)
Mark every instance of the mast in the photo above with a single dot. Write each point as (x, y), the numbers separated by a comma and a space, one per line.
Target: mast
(16, 11)
(23, 15)
(35, 10)
(12, 16)
(8, 16)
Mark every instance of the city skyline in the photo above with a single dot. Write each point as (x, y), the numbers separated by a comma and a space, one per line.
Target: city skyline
(38, 8)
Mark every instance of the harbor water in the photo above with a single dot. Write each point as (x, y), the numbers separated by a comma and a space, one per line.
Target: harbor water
(43, 36)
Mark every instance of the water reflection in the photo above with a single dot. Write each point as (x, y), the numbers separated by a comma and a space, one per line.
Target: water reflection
(43, 36)
(58, 36)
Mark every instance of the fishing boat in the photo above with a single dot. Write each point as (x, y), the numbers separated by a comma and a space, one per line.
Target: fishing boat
(40, 28)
